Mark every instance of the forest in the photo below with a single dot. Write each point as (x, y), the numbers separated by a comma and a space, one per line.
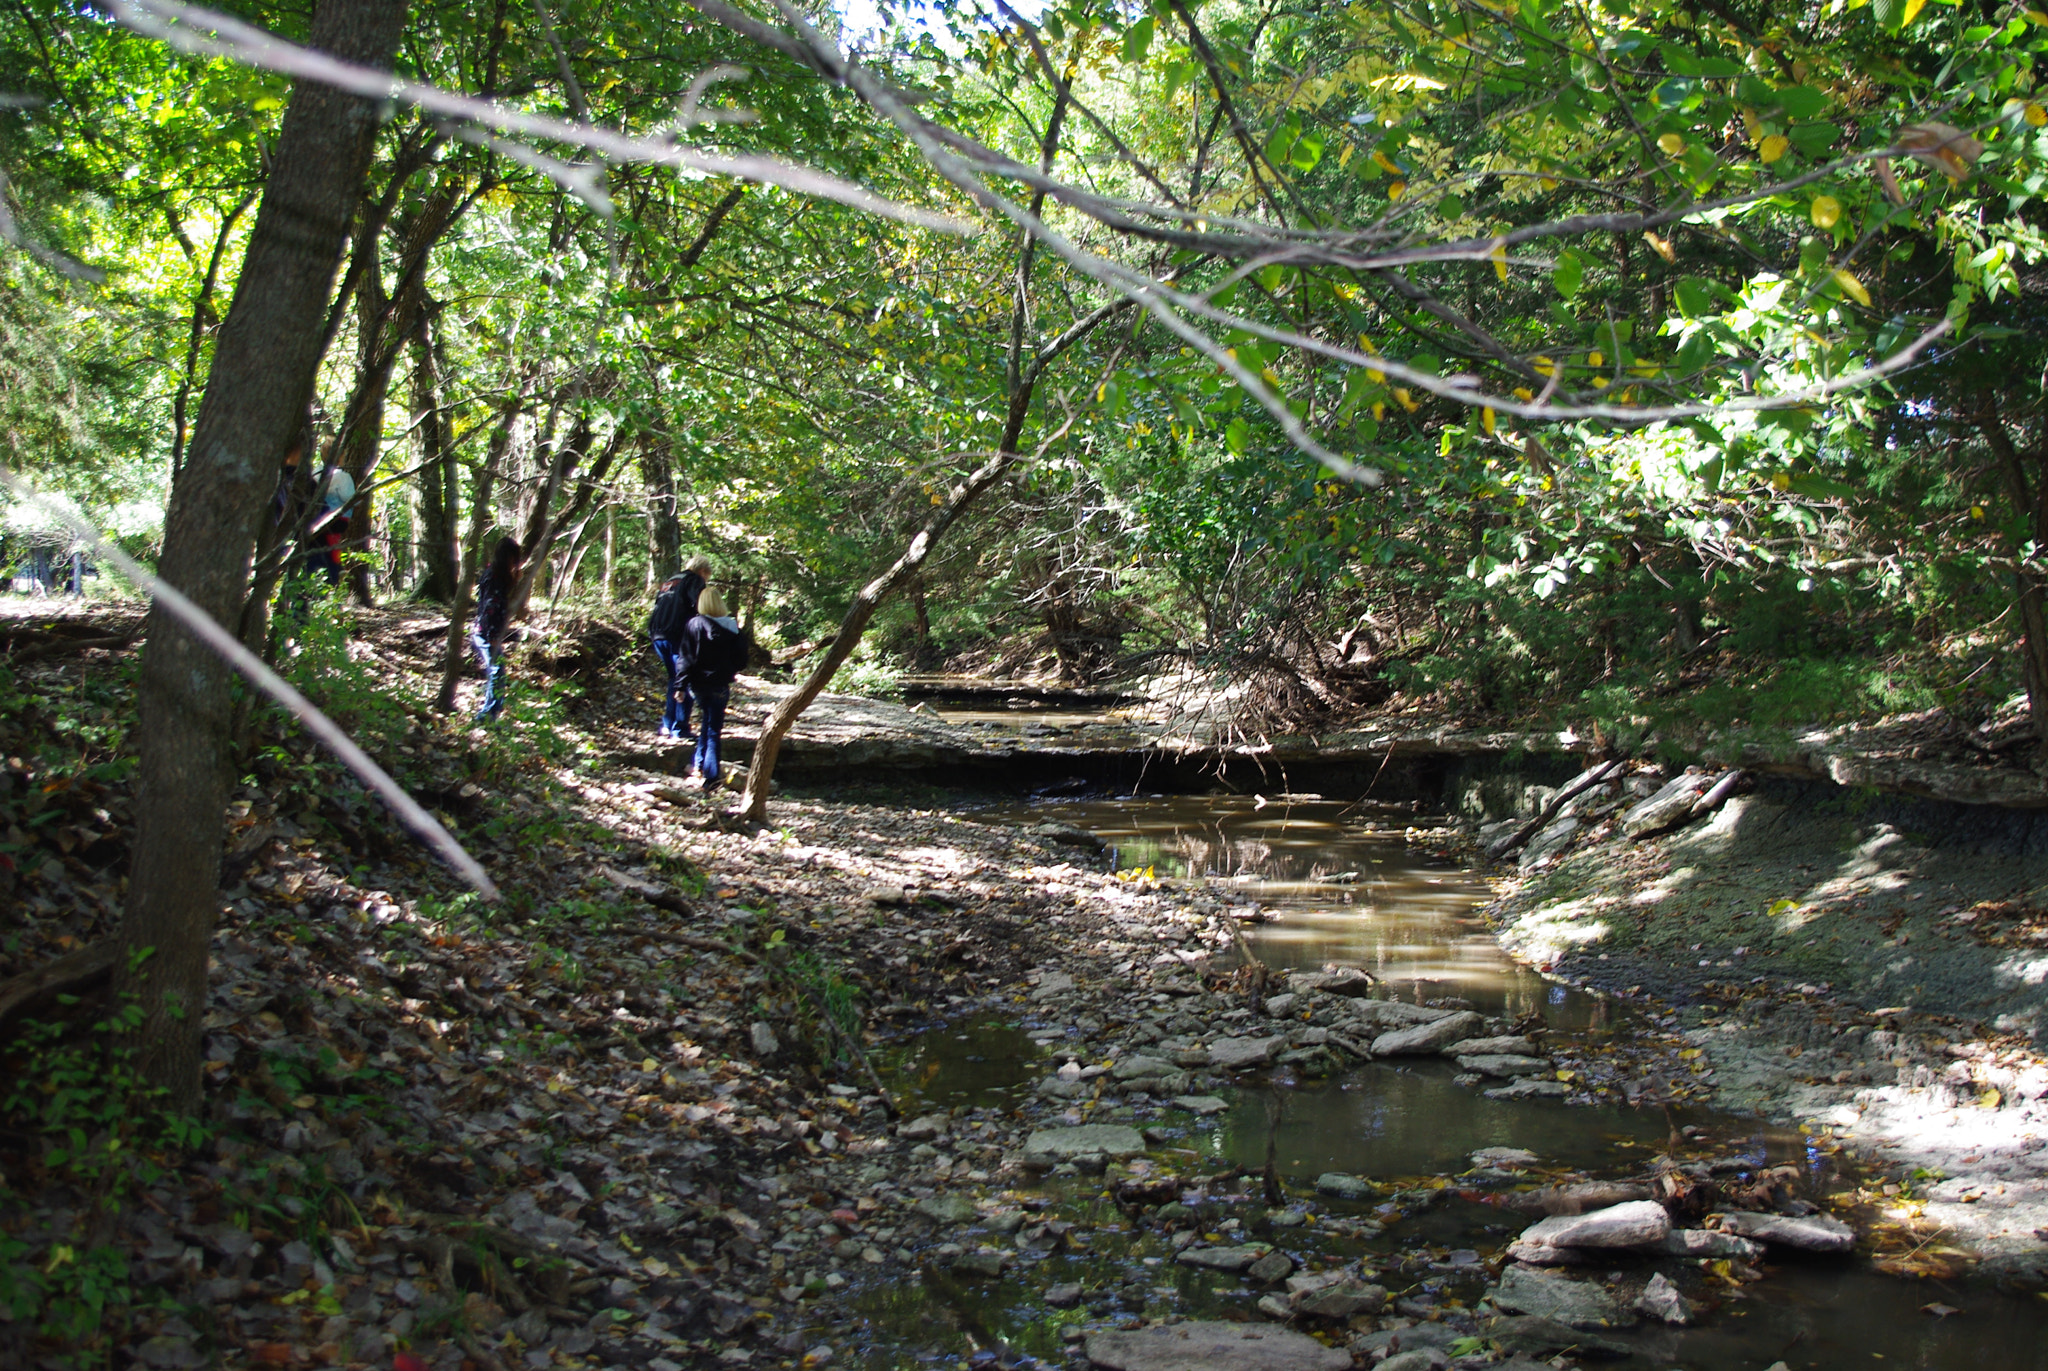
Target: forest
(1642, 373)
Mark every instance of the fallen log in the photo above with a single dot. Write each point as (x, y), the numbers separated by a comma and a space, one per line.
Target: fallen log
(1570, 791)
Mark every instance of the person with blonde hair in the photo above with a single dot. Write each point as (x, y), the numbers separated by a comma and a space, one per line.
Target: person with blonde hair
(674, 607)
(711, 655)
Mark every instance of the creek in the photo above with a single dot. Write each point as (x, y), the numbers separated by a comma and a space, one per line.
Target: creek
(1344, 883)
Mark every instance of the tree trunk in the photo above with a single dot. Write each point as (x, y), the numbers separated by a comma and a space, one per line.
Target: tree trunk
(440, 500)
(263, 374)
(664, 528)
(472, 554)
(2030, 496)
(537, 535)
(784, 716)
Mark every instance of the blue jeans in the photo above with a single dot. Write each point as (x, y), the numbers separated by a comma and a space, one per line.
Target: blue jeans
(706, 757)
(491, 661)
(675, 692)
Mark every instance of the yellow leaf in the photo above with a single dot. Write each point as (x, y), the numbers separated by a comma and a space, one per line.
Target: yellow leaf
(1976, 511)
(1599, 383)
(1500, 260)
(1913, 8)
(1272, 376)
(1852, 287)
(1661, 246)
(1596, 358)
(1396, 190)
(1407, 401)
(1672, 144)
(1542, 366)
(2037, 17)
(1379, 410)
(1774, 147)
(1524, 393)
(1826, 211)
(1486, 420)
(1751, 125)
(1781, 481)
(1380, 158)
(2035, 115)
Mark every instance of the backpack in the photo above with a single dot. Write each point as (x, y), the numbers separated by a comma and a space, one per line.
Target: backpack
(671, 611)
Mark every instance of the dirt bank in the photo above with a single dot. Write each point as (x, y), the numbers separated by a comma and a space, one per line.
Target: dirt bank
(1868, 965)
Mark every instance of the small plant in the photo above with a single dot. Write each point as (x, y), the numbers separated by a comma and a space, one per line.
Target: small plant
(104, 1136)
(873, 678)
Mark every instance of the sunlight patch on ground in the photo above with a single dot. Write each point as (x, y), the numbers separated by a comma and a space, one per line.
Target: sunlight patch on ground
(2021, 971)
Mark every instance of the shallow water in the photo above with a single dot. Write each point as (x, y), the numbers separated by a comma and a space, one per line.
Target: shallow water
(1409, 919)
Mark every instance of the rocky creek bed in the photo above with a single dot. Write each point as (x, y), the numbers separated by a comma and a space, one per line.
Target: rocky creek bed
(614, 1131)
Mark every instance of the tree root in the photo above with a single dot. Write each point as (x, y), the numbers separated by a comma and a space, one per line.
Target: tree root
(69, 974)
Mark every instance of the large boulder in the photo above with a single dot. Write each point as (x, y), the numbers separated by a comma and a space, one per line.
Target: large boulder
(1206, 1346)
(1427, 1038)
(1812, 1233)
(1543, 1337)
(1638, 1223)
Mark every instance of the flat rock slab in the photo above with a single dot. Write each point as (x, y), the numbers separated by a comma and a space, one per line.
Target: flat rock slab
(1213, 1347)
(1503, 1064)
(948, 1209)
(1348, 981)
(1052, 983)
(1575, 1303)
(1136, 1068)
(1106, 1139)
(1385, 1014)
(1426, 1038)
(1505, 1156)
(1512, 1045)
(1531, 1333)
(1529, 1088)
(1237, 1054)
(1344, 1299)
(1345, 1186)
(1201, 1104)
(1813, 1233)
(1221, 1258)
(1392, 1341)
(1707, 1242)
(1639, 1223)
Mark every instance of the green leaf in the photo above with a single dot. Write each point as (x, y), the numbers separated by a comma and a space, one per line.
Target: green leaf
(1802, 102)
(1234, 435)
(1694, 297)
(1569, 272)
(1138, 38)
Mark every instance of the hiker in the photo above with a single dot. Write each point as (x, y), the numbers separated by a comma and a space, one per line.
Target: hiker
(674, 607)
(711, 654)
(487, 639)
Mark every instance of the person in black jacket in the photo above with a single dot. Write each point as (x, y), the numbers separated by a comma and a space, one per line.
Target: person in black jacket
(711, 654)
(487, 638)
(674, 607)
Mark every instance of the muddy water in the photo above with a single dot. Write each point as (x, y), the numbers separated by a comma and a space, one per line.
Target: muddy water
(1346, 886)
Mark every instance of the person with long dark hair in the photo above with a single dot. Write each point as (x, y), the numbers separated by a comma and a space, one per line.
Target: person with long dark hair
(487, 638)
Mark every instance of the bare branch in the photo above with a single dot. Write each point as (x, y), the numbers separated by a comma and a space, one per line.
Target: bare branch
(203, 32)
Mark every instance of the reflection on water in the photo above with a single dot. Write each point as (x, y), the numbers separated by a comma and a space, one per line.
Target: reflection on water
(1346, 887)
(1408, 918)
